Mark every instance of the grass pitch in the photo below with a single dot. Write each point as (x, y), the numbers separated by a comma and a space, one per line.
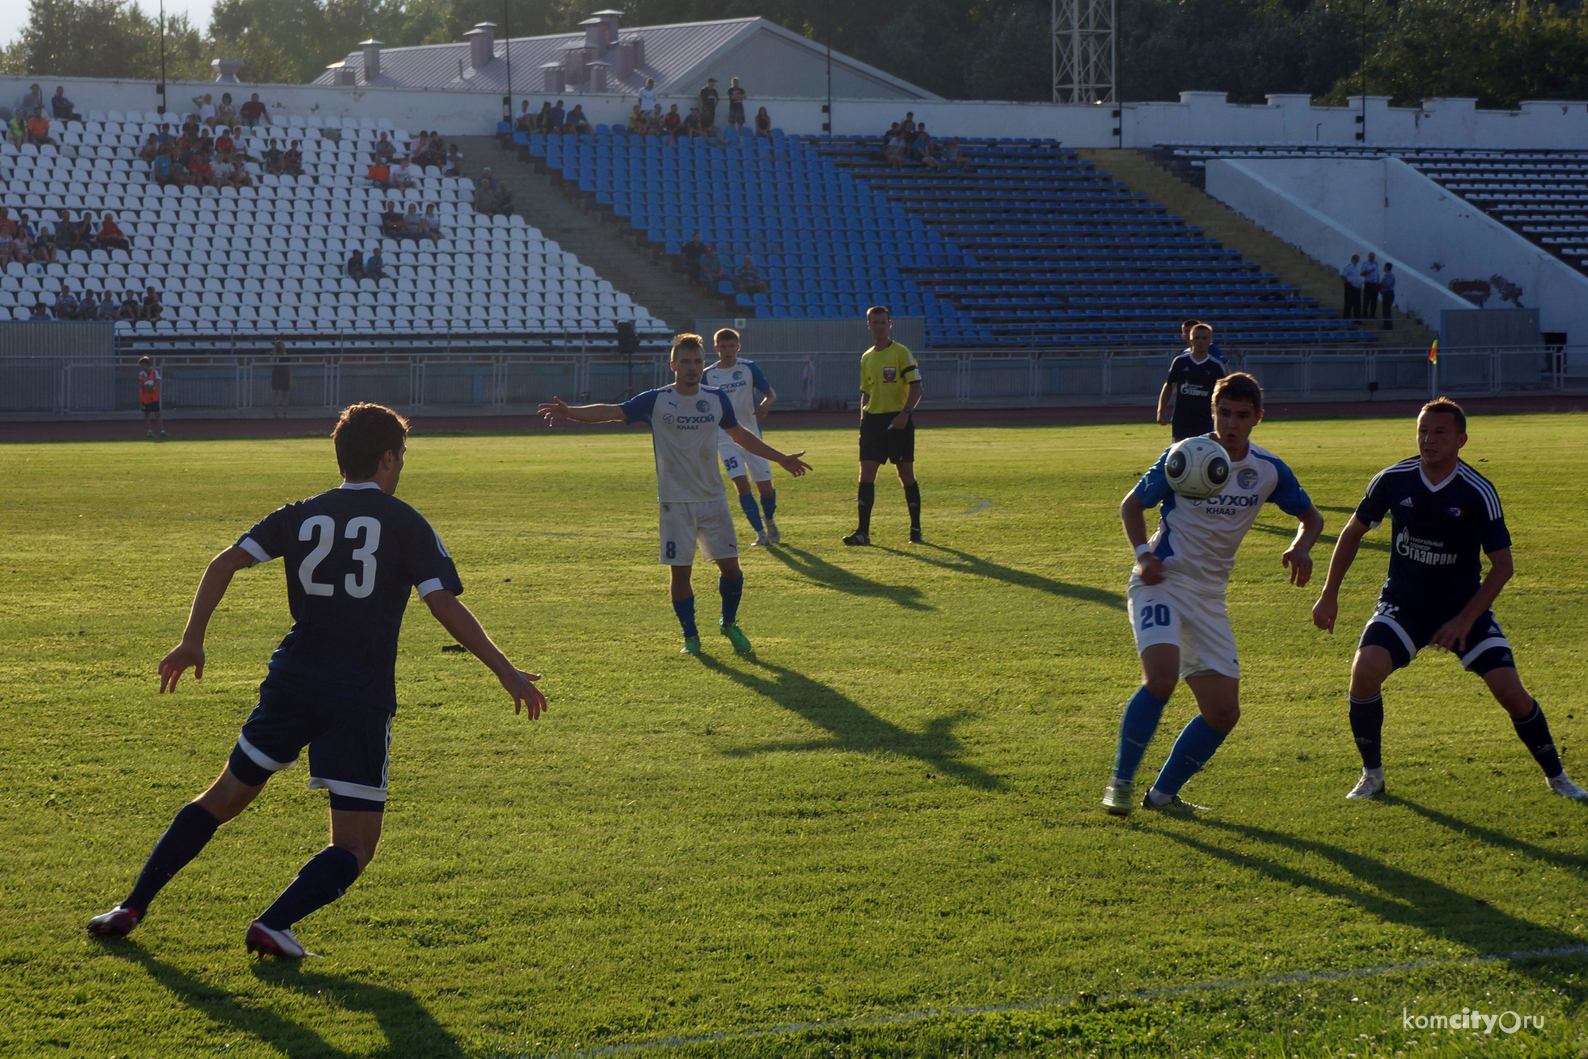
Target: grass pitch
(880, 835)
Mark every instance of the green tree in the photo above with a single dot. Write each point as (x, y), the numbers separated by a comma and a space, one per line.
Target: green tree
(103, 38)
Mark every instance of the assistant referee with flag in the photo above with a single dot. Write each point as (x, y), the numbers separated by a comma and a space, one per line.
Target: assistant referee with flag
(890, 383)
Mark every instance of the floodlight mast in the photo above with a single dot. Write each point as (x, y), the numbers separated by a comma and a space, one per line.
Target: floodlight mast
(1084, 51)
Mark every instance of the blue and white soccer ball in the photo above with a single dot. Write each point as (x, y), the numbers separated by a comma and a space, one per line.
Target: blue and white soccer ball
(1197, 468)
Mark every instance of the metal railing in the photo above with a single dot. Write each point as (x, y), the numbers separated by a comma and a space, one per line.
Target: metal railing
(508, 380)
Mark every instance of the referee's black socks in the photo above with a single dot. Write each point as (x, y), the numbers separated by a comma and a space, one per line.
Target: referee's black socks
(864, 501)
(912, 500)
(1534, 733)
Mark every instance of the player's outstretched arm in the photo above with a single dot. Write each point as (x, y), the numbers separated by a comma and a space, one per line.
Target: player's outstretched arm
(212, 588)
(1298, 557)
(1133, 515)
(1328, 606)
(458, 620)
(1452, 635)
(581, 413)
(764, 407)
(747, 441)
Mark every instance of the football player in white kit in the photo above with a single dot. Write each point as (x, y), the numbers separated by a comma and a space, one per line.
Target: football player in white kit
(1176, 595)
(685, 420)
(741, 380)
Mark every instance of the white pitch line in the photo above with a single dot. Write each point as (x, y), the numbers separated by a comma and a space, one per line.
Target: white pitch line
(1293, 978)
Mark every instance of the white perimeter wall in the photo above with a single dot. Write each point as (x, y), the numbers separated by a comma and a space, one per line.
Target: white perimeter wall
(1199, 117)
(1333, 208)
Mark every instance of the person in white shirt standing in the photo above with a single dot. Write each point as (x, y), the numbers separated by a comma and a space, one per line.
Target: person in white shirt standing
(741, 380)
(1351, 275)
(1369, 272)
(685, 420)
(648, 97)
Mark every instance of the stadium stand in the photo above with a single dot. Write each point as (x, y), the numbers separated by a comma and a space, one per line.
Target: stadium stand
(270, 259)
(1026, 244)
(1540, 194)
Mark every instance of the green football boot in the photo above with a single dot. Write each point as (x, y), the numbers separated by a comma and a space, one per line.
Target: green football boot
(736, 636)
(691, 646)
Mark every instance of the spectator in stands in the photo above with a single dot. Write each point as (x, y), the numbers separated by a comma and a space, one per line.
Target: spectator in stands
(73, 235)
(1370, 287)
(691, 126)
(33, 100)
(375, 265)
(40, 311)
(385, 150)
(923, 152)
(223, 172)
(952, 156)
(160, 168)
(39, 128)
(65, 303)
(109, 308)
(692, 251)
(61, 107)
(253, 112)
(165, 135)
(907, 126)
(391, 222)
(225, 113)
(44, 246)
(1386, 293)
(9, 250)
(747, 278)
(711, 268)
(17, 128)
(7, 225)
(491, 196)
(437, 154)
(763, 123)
(418, 145)
(200, 172)
(355, 265)
(557, 119)
(1351, 276)
(413, 223)
(292, 160)
(432, 223)
(895, 151)
(736, 97)
(711, 134)
(272, 158)
(543, 118)
(150, 148)
(577, 124)
(647, 96)
(887, 137)
(204, 107)
(526, 119)
(671, 124)
(402, 177)
(241, 177)
(708, 103)
(224, 141)
(131, 309)
(110, 236)
(151, 305)
(637, 121)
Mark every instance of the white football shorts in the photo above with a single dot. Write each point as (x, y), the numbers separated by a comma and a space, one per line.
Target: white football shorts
(707, 523)
(736, 461)
(1190, 617)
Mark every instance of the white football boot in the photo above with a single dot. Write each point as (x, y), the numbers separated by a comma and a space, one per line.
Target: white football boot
(1564, 787)
(1371, 785)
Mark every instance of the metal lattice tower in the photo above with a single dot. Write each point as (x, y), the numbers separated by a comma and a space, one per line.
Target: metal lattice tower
(1083, 51)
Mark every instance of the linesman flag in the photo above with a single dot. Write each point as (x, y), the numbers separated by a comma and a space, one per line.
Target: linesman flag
(1433, 352)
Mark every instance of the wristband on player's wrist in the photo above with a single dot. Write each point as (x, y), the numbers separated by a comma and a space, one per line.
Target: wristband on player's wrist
(1142, 549)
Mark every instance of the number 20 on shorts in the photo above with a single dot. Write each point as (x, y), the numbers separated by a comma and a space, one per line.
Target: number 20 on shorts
(1157, 614)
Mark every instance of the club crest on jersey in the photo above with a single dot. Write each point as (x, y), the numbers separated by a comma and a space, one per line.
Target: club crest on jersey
(889, 374)
(702, 404)
(1246, 478)
(1455, 512)
(737, 375)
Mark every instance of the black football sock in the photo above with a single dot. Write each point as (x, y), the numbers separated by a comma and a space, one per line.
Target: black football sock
(189, 831)
(1534, 733)
(866, 497)
(912, 500)
(325, 878)
(1367, 725)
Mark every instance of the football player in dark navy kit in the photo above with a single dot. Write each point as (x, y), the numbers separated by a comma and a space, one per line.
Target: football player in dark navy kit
(1443, 514)
(352, 556)
(1192, 376)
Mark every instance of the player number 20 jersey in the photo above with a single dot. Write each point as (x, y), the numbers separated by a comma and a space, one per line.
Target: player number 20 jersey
(1197, 539)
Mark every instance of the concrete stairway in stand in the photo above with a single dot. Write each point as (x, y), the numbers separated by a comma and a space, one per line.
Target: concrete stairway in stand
(1316, 280)
(594, 237)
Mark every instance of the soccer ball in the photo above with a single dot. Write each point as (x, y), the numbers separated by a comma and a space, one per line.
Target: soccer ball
(1197, 468)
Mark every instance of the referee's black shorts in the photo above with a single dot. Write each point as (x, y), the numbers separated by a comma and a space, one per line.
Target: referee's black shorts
(879, 443)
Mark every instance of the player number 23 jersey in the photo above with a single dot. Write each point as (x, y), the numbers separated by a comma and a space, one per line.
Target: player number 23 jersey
(1197, 539)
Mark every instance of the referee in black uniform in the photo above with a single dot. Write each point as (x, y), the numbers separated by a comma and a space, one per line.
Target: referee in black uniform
(1190, 386)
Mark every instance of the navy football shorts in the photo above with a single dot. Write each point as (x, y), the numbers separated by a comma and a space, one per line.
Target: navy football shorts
(349, 745)
(1402, 634)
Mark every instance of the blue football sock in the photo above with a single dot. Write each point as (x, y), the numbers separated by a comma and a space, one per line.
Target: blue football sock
(747, 502)
(1367, 727)
(685, 609)
(1198, 740)
(325, 878)
(189, 832)
(1534, 733)
(1135, 732)
(769, 504)
(731, 591)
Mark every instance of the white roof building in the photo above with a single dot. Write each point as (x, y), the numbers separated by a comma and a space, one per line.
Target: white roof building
(770, 61)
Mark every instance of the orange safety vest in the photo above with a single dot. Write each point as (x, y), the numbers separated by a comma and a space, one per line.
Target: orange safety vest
(149, 386)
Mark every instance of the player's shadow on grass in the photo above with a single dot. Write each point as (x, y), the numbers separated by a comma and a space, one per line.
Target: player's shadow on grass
(1492, 837)
(836, 577)
(1397, 896)
(409, 1029)
(851, 726)
(966, 563)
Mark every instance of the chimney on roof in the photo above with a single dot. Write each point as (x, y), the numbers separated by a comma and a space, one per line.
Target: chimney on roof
(598, 76)
(482, 44)
(342, 75)
(371, 59)
(553, 77)
(575, 61)
(226, 70)
(595, 35)
(610, 17)
(625, 54)
(639, 51)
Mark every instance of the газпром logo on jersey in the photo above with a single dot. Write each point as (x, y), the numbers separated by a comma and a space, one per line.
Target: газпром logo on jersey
(1421, 551)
